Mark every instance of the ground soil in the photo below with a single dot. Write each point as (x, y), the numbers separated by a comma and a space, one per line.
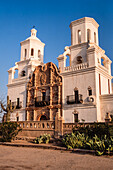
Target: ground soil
(21, 158)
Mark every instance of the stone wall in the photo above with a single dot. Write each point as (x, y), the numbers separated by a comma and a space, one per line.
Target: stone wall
(35, 129)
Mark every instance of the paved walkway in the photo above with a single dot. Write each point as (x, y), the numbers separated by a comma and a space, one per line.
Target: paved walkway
(21, 158)
(24, 143)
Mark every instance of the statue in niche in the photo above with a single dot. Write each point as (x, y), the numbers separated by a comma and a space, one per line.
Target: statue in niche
(55, 93)
(31, 96)
(43, 79)
(54, 79)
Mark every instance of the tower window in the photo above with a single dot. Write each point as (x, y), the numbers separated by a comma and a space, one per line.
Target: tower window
(25, 54)
(17, 118)
(88, 35)
(32, 52)
(79, 36)
(18, 102)
(94, 37)
(75, 118)
(43, 96)
(76, 96)
(23, 73)
(89, 91)
(99, 84)
(79, 59)
(39, 53)
(108, 86)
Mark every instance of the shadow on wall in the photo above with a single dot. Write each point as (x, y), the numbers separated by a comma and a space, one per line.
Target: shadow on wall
(24, 98)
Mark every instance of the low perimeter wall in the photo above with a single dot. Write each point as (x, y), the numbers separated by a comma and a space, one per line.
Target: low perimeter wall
(35, 129)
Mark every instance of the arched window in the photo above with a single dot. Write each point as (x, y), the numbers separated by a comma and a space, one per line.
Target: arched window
(32, 52)
(89, 91)
(75, 118)
(39, 53)
(79, 36)
(25, 54)
(76, 95)
(108, 86)
(94, 37)
(16, 74)
(43, 117)
(99, 84)
(88, 35)
(103, 61)
(79, 59)
(23, 73)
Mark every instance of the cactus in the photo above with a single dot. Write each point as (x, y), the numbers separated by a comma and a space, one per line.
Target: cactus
(9, 109)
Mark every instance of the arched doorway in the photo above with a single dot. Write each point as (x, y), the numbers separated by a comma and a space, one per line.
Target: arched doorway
(43, 117)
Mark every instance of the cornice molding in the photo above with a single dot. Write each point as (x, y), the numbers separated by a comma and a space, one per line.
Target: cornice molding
(84, 20)
(79, 46)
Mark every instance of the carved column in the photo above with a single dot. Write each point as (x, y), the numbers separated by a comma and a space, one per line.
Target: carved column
(35, 115)
(28, 97)
(59, 100)
(51, 91)
(35, 92)
(28, 115)
(59, 95)
(50, 95)
(50, 102)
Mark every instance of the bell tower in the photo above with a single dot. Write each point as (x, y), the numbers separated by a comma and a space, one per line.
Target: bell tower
(32, 52)
(84, 31)
(32, 48)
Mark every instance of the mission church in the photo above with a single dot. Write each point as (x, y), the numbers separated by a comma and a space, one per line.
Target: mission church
(80, 91)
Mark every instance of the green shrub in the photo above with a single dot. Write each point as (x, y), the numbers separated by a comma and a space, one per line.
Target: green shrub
(8, 131)
(77, 140)
(98, 129)
(43, 139)
(69, 140)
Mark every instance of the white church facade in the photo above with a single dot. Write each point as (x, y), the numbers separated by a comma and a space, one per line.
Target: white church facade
(86, 83)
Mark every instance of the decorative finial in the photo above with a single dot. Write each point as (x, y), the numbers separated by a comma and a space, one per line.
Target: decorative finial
(33, 32)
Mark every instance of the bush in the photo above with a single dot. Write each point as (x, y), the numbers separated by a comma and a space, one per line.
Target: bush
(98, 129)
(101, 146)
(43, 139)
(8, 131)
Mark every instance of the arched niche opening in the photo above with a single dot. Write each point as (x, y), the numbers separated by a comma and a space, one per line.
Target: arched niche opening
(39, 54)
(32, 52)
(89, 91)
(25, 54)
(88, 35)
(79, 60)
(95, 37)
(102, 61)
(16, 74)
(23, 73)
(43, 117)
(67, 61)
(79, 36)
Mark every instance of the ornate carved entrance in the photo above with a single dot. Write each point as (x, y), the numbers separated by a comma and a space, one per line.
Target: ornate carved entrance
(44, 92)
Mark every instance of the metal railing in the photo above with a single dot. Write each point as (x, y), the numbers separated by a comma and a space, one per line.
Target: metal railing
(18, 106)
(42, 101)
(74, 100)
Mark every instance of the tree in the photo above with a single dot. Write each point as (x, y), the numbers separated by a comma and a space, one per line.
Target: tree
(2, 101)
(8, 109)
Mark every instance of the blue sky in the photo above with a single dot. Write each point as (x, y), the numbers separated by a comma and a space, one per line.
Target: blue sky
(51, 18)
